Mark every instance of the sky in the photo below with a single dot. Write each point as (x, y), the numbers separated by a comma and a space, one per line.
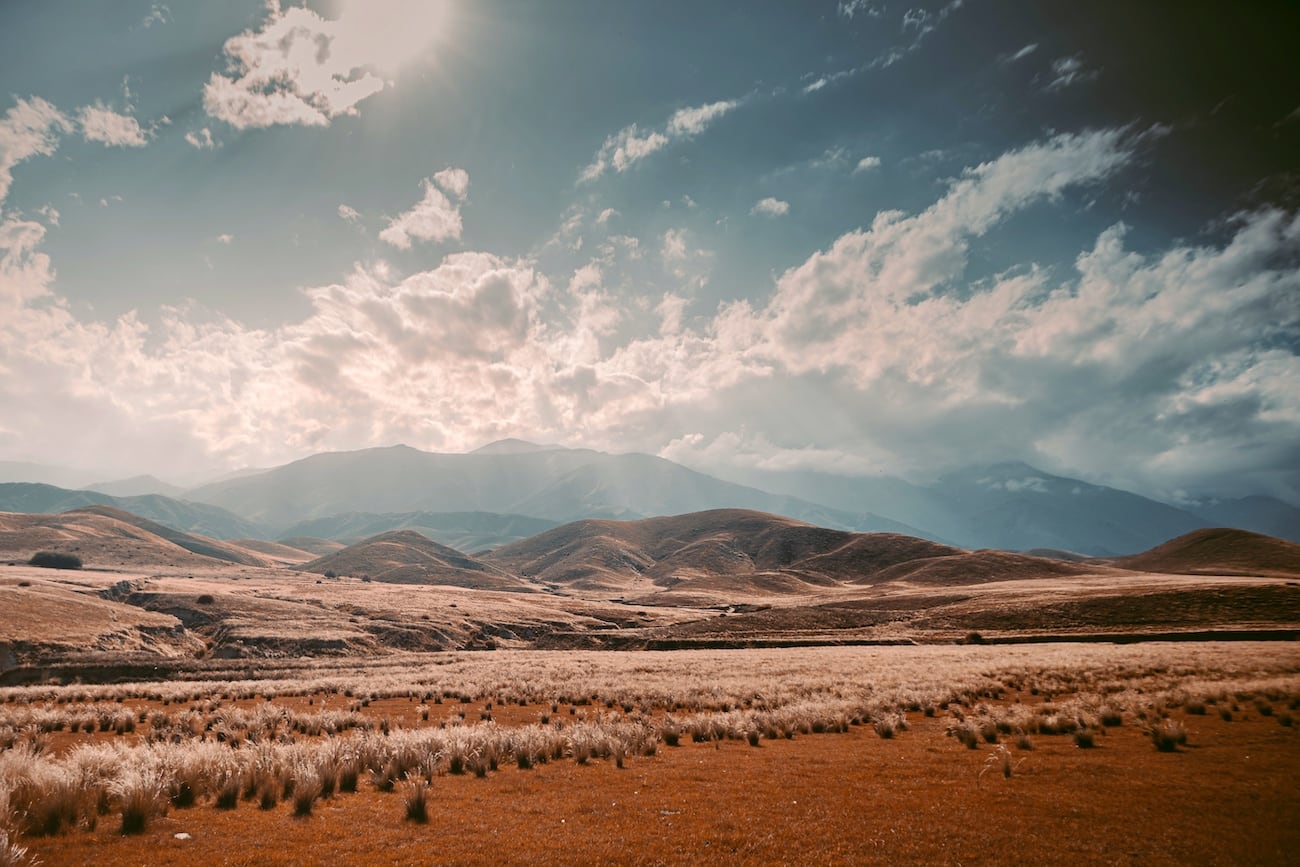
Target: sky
(851, 236)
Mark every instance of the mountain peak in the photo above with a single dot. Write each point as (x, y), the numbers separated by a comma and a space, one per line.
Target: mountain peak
(511, 446)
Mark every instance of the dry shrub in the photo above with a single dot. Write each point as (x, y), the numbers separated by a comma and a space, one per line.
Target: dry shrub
(142, 794)
(415, 797)
(1168, 735)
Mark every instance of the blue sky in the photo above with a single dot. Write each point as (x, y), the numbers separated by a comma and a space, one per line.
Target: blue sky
(862, 237)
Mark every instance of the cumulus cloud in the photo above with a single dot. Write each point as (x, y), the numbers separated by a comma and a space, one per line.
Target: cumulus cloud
(631, 144)
(866, 164)
(31, 127)
(1146, 368)
(102, 124)
(349, 213)
(301, 68)
(435, 217)
(770, 207)
(159, 13)
(201, 139)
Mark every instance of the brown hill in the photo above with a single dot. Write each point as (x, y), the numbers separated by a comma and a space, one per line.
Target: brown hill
(722, 549)
(1219, 551)
(313, 545)
(104, 537)
(277, 551)
(407, 557)
(980, 567)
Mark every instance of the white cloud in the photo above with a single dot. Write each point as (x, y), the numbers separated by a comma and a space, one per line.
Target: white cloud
(606, 215)
(673, 248)
(159, 13)
(630, 145)
(201, 139)
(1067, 71)
(434, 217)
(301, 68)
(349, 213)
(866, 164)
(852, 8)
(225, 238)
(102, 124)
(770, 207)
(1152, 368)
(1022, 53)
(31, 127)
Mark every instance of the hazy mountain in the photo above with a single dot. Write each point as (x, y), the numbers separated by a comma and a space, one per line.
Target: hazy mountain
(43, 474)
(552, 484)
(1266, 515)
(136, 486)
(200, 518)
(1011, 506)
(465, 531)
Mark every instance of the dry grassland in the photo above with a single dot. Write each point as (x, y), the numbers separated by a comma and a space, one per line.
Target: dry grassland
(1095, 753)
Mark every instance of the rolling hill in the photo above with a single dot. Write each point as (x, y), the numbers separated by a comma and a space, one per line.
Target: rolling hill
(200, 518)
(407, 557)
(1220, 551)
(106, 537)
(720, 550)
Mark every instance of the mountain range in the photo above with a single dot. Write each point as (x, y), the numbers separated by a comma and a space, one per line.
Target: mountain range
(511, 490)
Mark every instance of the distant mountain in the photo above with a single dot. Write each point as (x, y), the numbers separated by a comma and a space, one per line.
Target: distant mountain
(407, 557)
(200, 518)
(43, 474)
(1011, 506)
(136, 486)
(1220, 551)
(1266, 515)
(552, 484)
(465, 531)
(511, 447)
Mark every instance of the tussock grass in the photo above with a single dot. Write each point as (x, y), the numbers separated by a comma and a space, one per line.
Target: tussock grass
(1168, 735)
(415, 800)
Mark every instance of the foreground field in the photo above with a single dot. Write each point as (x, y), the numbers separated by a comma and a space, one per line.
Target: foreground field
(1162, 753)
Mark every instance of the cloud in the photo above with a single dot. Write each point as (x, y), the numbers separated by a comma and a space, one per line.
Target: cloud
(225, 238)
(159, 13)
(31, 127)
(852, 8)
(1067, 71)
(630, 145)
(606, 215)
(301, 68)
(201, 139)
(102, 124)
(349, 213)
(866, 164)
(1021, 54)
(1155, 369)
(770, 207)
(435, 217)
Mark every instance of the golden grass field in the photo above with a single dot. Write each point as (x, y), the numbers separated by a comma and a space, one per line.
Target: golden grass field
(1023, 754)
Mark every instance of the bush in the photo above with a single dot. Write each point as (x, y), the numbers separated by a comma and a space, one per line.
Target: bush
(205, 599)
(1168, 736)
(55, 560)
(415, 795)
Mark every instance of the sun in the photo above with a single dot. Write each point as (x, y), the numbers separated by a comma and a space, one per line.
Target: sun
(389, 34)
